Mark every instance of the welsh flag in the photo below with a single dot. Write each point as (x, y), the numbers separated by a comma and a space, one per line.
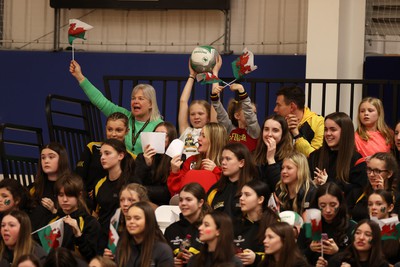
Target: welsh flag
(207, 78)
(313, 224)
(243, 64)
(390, 227)
(77, 29)
(113, 236)
(51, 235)
(272, 203)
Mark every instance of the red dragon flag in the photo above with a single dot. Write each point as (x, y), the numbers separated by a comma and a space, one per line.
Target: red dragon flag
(243, 64)
(51, 235)
(390, 227)
(77, 29)
(207, 78)
(113, 236)
(313, 224)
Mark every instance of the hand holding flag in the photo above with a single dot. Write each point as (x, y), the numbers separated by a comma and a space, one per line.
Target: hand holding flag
(77, 29)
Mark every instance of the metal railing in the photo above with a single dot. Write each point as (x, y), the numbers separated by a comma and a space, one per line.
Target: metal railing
(331, 93)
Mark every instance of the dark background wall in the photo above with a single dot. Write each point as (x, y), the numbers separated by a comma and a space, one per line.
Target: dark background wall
(26, 78)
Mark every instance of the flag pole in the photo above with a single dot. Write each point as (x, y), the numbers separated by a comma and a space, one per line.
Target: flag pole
(322, 248)
(228, 84)
(73, 52)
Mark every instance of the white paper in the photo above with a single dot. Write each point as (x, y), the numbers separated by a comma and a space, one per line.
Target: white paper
(155, 140)
(175, 148)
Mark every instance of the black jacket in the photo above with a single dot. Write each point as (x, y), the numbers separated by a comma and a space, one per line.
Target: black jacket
(161, 255)
(176, 232)
(156, 189)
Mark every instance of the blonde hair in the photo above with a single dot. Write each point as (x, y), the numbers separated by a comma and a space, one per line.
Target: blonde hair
(381, 125)
(218, 138)
(138, 188)
(150, 94)
(303, 182)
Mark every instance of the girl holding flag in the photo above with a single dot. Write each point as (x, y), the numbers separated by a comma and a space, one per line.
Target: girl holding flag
(143, 117)
(129, 194)
(81, 230)
(119, 165)
(17, 239)
(335, 221)
(241, 120)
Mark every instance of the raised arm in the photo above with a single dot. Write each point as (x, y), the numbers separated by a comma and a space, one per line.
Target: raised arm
(183, 103)
(253, 127)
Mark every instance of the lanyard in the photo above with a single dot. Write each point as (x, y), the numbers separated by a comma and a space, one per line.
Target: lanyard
(135, 136)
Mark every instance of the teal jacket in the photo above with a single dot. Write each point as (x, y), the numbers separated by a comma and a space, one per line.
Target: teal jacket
(108, 107)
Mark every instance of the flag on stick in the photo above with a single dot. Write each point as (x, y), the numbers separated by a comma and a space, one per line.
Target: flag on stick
(77, 29)
(313, 224)
(113, 236)
(207, 78)
(51, 235)
(243, 64)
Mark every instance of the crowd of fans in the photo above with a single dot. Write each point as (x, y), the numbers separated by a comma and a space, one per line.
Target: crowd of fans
(233, 180)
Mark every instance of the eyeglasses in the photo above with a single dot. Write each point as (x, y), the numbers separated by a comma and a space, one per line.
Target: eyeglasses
(375, 171)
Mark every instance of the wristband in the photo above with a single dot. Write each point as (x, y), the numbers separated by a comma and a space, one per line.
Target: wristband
(190, 76)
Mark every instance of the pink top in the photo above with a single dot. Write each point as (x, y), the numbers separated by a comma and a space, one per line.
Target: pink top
(375, 143)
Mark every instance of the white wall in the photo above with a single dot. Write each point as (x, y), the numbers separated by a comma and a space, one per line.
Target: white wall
(264, 26)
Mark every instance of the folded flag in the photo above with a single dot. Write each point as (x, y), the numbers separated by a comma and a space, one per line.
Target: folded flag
(51, 236)
(207, 78)
(77, 29)
(113, 236)
(390, 227)
(313, 224)
(243, 64)
(272, 203)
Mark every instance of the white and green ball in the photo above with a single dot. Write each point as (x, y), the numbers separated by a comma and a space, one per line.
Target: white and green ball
(203, 58)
